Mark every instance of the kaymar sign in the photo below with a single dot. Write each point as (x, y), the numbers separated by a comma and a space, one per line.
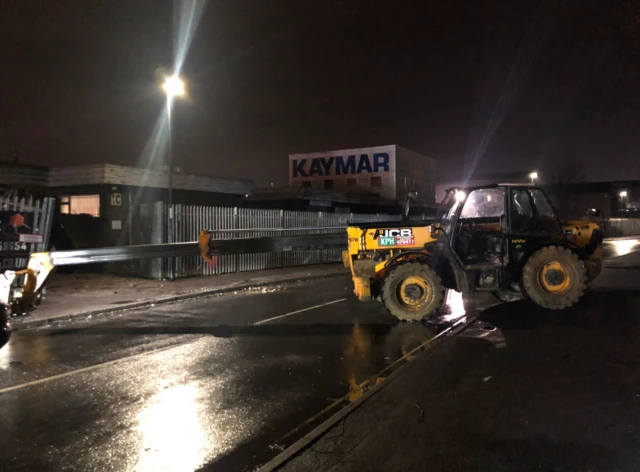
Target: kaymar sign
(386, 173)
(340, 165)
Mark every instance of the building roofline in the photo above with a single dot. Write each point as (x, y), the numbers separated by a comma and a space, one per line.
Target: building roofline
(114, 174)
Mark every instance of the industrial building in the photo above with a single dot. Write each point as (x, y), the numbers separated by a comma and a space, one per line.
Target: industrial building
(388, 172)
(105, 204)
(309, 199)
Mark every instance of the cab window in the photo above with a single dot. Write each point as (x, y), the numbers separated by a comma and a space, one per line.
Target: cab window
(522, 217)
(484, 203)
(480, 230)
(546, 215)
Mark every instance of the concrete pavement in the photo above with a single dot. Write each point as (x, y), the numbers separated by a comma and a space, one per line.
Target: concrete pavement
(79, 295)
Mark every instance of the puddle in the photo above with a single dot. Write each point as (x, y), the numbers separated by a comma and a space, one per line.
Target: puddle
(481, 329)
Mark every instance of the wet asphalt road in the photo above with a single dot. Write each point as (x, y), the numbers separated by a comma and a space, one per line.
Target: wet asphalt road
(214, 383)
(542, 391)
(620, 248)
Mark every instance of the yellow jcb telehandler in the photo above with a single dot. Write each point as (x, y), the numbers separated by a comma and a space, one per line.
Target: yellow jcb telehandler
(499, 238)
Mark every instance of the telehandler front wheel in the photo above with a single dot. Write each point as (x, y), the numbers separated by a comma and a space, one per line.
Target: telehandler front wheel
(412, 291)
(554, 278)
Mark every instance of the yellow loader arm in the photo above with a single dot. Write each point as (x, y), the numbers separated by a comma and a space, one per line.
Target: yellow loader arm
(36, 274)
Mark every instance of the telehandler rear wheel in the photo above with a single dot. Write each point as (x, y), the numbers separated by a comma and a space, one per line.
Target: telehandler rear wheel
(412, 291)
(554, 277)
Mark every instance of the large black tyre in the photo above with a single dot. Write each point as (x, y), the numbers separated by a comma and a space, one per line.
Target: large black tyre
(412, 291)
(554, 278)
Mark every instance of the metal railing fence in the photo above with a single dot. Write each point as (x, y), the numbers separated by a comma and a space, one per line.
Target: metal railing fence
(189, 220)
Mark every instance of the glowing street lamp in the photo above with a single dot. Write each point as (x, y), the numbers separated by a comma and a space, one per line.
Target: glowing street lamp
(533, 176)
(623, 198)
(173, 87)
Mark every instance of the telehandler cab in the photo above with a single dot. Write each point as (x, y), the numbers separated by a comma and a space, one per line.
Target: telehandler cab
(500, 238)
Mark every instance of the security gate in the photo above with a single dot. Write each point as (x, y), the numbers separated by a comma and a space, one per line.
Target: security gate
(25, 227)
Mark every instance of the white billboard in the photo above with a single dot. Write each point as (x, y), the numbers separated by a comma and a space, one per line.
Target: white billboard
(366, 169)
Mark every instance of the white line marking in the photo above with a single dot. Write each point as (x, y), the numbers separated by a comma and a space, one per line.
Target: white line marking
(298, 311)
(141, 354)
(84, 369)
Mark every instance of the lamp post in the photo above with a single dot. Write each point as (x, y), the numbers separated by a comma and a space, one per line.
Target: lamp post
(533, 176)
(173, 87)
(623, 196)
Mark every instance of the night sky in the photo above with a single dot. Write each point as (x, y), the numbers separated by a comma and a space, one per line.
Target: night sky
(485, 85)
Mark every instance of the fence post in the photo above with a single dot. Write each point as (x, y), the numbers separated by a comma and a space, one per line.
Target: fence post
(282, 254)
(236, 225)
(51, 207)
(177, 238)
(157, 237)
(319, 225)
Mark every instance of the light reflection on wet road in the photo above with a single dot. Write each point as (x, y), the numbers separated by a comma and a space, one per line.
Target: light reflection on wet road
(177, 409)
(620, 247)
(203, 384)
(218, 393)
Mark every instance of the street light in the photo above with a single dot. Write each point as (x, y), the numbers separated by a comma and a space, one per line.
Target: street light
(623, 196)
(173, 87)
(533, 176)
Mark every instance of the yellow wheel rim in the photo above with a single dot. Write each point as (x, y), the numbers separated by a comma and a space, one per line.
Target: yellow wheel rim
(414, 292)
(554, 278)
